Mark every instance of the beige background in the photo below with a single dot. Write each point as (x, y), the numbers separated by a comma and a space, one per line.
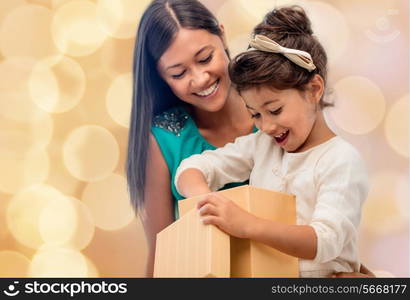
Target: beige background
(65, 88)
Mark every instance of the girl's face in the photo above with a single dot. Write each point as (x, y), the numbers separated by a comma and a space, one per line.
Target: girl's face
(288, 116)
(195, 66)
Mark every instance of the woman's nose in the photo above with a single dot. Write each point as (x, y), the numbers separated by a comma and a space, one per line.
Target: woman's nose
(200, 79)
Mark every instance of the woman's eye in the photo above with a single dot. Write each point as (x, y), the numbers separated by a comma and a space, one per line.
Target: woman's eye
(206, 60)
(255, 116)
(276, 112)
(177, 76)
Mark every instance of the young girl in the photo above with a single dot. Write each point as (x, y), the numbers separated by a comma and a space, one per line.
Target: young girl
(282, 79)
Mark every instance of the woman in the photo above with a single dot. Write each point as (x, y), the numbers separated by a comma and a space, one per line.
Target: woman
(183, 104)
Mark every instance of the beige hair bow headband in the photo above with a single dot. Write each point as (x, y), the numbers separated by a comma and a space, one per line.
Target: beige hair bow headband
(299, 57)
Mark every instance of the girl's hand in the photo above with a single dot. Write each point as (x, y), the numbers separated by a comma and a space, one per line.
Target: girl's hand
(363, 272)
(224, 213)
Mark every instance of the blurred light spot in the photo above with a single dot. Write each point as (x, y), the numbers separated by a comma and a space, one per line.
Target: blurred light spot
(90, 153)
(118, 101)
(46, 3)
(394, 248)
(24, 211)
(109, 203)
(13, 264)
(403, 195)
(397, 126)
(126, 248)
(57, 84)
(25, 32)
(7, 6)
(57, 221)
(120, 18)
(15, 101)
(57, 3)
(51, 261)
(381, 214)
(83, 232)
(75, 28)
(359, 106)
(238, 21)
(382, 274)
(20, 170)
(92, 269)
(239, 44)
(326, 20)
(25, 136)
(4, 201)
(97, 114)
(116, 56)
(59, 177)
(258, 9)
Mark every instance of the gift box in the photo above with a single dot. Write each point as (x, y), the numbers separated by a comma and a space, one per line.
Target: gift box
(188, 248)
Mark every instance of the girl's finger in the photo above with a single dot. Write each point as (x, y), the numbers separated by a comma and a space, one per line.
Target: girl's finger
(207, 199)
(211, 220)
(208, 209)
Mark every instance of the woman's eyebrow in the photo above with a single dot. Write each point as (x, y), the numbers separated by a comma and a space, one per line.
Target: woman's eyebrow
(173, 66)
(196, 54)
(202, 49)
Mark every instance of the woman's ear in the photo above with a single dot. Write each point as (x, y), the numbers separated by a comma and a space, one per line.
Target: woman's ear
(223, 36)
(316, 87)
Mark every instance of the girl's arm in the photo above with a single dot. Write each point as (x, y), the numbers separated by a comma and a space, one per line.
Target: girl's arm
(342, 188)
(159, 211)
(296, 240)
(192, 182)
(231, 163)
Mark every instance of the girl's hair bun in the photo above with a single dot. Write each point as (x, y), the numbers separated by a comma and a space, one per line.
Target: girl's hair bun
(288, 20)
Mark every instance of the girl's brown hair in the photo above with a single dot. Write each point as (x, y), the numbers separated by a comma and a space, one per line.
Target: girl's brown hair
(291, 28)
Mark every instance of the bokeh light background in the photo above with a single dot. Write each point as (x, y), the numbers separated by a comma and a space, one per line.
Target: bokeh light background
(65, 88)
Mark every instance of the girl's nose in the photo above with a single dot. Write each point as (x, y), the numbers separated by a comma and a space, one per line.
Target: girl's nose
(268, 127)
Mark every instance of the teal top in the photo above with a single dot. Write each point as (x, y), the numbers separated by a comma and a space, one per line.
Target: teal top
(178, 137)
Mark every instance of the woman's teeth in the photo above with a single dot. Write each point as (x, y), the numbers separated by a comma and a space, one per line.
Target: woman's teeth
(209, 90)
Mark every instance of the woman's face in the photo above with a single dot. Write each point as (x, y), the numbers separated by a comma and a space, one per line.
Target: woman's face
(195, 66)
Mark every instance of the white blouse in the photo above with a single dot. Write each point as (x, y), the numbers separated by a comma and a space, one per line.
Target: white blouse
(330, 183)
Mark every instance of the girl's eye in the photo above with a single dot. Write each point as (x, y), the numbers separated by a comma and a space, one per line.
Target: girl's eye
(276, 112)
(255, 116)
(206, 60)
(177, 76)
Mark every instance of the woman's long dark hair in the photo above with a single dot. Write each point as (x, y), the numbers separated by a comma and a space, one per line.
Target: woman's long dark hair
(151, 95)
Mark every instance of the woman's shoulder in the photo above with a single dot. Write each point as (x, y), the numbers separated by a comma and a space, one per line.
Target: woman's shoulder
(172, 120)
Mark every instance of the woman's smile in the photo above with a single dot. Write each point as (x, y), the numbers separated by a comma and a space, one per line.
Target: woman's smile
(208, 92)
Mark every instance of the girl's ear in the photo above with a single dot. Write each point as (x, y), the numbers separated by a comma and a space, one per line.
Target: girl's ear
(316, 87)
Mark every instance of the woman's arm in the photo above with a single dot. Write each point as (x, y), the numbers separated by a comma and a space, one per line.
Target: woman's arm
(158, 206)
